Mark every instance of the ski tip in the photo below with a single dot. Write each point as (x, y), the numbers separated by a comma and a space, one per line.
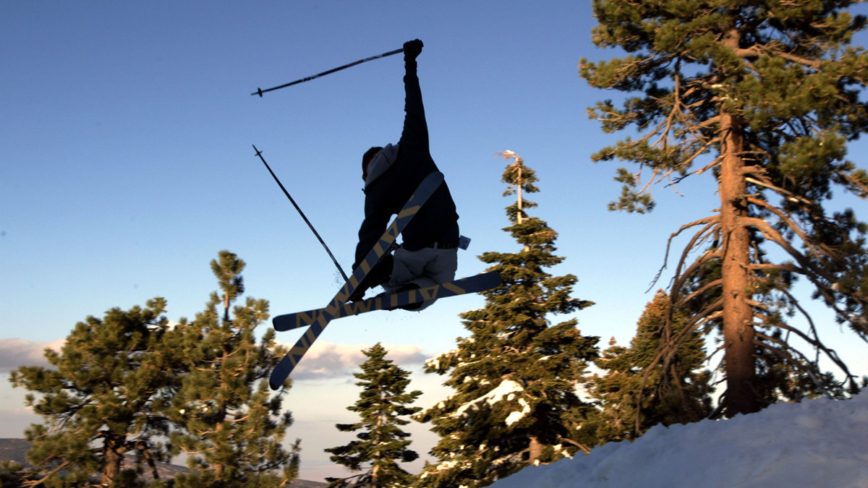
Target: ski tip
(282, 323)
(496, 279)
(274, 382)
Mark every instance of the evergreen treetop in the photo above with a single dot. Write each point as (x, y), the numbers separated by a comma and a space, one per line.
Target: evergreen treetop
(233, 427)
(682, 396)
(106, 396)
(124, 383)
(382, 444)
(515, 377)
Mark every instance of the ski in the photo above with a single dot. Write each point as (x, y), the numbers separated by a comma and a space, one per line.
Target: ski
(391, 301)
(283, 368)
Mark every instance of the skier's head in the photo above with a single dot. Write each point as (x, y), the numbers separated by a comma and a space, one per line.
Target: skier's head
(367, 158)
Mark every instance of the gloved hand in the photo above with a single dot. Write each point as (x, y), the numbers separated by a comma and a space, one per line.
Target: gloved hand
(412, 49)
(357, 295)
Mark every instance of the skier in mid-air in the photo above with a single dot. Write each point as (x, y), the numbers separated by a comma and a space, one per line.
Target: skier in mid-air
(429, 252)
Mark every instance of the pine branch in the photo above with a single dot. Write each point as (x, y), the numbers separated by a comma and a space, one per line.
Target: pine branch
(773, 235)
(712, 164)
(780, 191)
(858, 186)
(776, 267)
(816, 342)
(704, 288)
(707, 220)
(818, 249)
(583, 447)
(785, 353)
(707, 256)
(808, 269)
(39, 482)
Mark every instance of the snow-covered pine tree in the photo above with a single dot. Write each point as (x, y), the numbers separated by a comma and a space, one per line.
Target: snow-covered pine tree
(682, 396)
(232, 426)
(516, 376)
(382, 444)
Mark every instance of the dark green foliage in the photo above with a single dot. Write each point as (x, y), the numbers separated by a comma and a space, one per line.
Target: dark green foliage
(124, 382)
(682, 396)
(232, 427)
(763, 96)
(515, 377)
(13, 475)
(105, 397)
(382, 444)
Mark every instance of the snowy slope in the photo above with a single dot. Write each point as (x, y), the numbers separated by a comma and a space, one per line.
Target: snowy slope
(816, 443)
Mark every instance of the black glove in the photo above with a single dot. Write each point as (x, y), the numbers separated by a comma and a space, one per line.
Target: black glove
(412, 49)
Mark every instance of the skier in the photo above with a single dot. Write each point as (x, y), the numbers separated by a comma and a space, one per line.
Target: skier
(429, 252)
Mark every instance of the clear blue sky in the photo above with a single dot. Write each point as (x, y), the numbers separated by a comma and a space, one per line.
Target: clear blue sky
(126, 165)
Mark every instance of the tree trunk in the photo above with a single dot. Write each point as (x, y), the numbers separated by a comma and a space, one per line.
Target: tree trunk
(738, 329)
(222, 413)
(535, 449)
(375, 472)
(220, 467)
(112, 467)
(518, 185)
(149, 457)
(375, 477)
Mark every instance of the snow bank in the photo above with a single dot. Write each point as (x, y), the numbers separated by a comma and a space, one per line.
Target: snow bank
(809, 444)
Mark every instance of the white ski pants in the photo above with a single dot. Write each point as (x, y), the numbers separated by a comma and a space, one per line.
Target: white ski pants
(425, 267)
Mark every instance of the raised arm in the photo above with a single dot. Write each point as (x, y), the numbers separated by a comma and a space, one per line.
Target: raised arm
(414, 137)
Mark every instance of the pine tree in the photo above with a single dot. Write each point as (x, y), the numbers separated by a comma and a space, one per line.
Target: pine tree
(105, 398)
(682, 396)
(232, 424)
(382, 444)
(14, 475)
(763, 96)
(516, 376)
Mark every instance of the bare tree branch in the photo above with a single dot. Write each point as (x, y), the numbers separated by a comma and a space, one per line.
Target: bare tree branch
(785, 354)
(712, 219)
(820, 250)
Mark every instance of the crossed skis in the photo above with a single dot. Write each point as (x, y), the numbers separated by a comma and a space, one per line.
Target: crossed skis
(319, 319)
(391, 301)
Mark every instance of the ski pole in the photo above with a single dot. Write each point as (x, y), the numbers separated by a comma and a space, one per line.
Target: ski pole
(259, 153)
(260, 91)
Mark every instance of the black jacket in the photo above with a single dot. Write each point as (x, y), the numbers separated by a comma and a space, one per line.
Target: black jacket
(437, 220)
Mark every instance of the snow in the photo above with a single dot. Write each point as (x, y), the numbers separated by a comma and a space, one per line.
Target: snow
(514, 417)
(504, 389)
(809, 444)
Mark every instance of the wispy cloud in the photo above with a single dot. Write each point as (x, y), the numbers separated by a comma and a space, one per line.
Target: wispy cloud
(18, 352)
(323, 360)
(13, 422)
(330, 360)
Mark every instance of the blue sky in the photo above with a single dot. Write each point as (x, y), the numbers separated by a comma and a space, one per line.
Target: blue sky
(126, 165)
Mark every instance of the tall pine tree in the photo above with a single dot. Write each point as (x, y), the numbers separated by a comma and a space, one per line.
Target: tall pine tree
(382, 444)
(515, 377)
(680, 397)
(763, 96)
(104, 399)
(233, 427)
